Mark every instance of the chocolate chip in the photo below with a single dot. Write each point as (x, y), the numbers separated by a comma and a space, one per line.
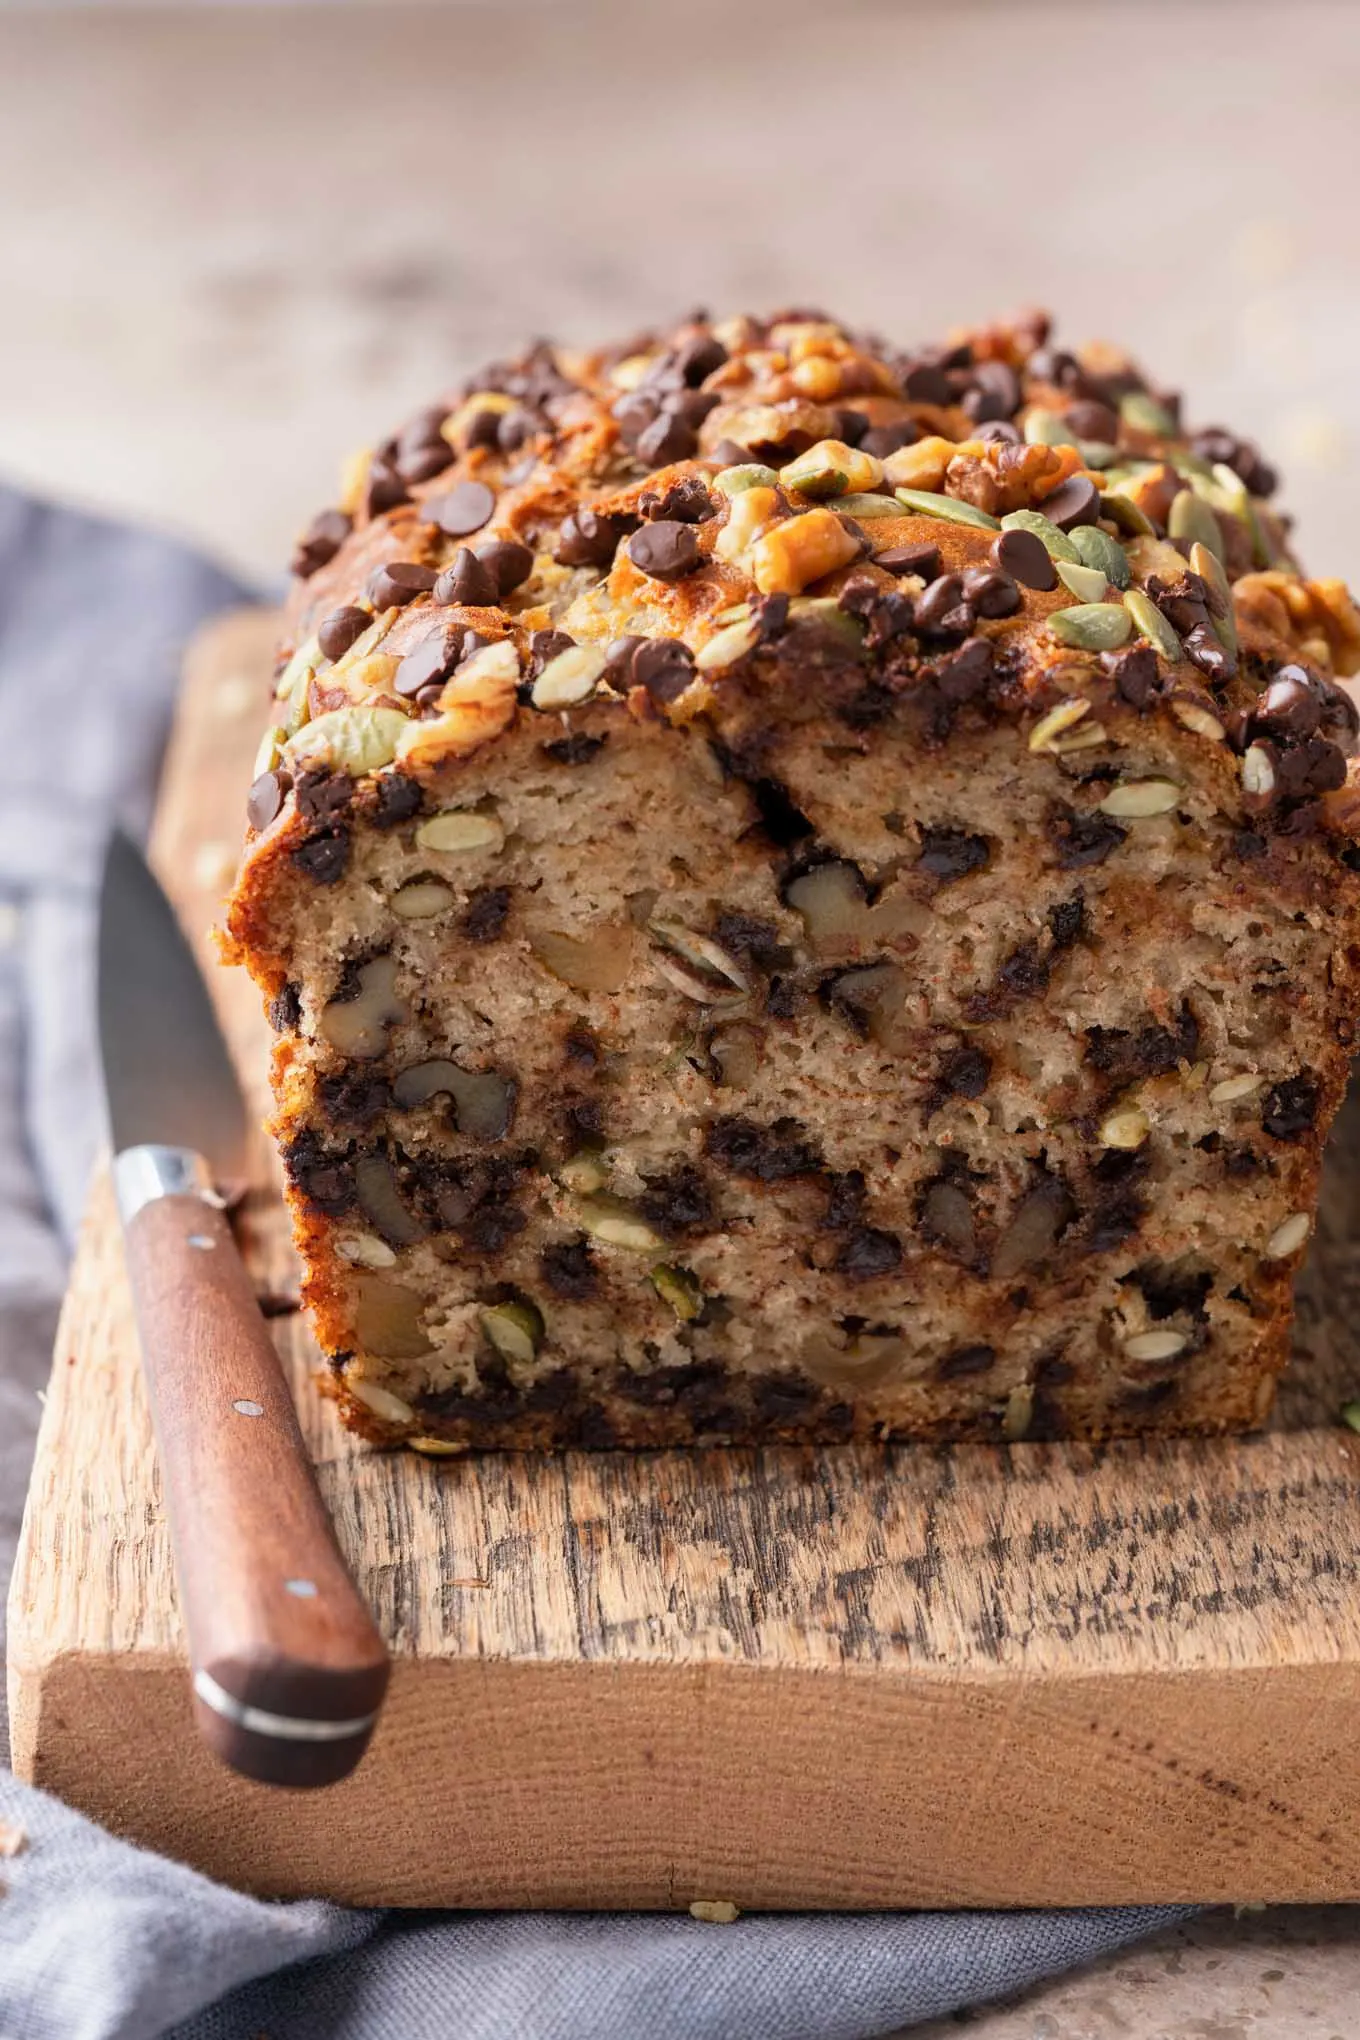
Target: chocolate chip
(1134, 673)
(588, 539)
(995, 392)
(385, 487)
(1240, 455)
(666, 550)
(482, 429)
(508, 562)
(323, 1176)
(320, 542)
(990, 593)
(399, 582)
(322, 796)
(949, 854)
(545, 645)
(883, 440)
(338, 631)
(997, 431)
(1204, 649)
(422, 463)
(769, 1154)
(942, 611)
(964, 1360)
(618, 661)
(1025, 972)
(352, 1098)
(1291, 1108)
(285, 1010)
(485, 915)
(1067, 920)
(634, 413)
(1290, 706)
(432, 659)
(925, 383)
(666, 439)
(324, 856)
(699, 357)
(1085, 839)
(467, 580)
(398, 799)
(577, 749)
(465, 509)
(965, 1072)
(266, 798)
(686, 498)
(680, 1201)
(869, 1252)
(921, 559)
(851, 426)
(1075, 501)
(516, 427)
(664, 666)
(1093, 421)
(965, 675)
(1024, 557)
(569, 1270)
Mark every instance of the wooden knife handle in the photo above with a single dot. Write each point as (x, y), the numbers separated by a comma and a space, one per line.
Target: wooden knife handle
(289, 1670)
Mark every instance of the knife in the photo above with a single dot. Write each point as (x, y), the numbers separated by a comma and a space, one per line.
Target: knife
(289, 1671)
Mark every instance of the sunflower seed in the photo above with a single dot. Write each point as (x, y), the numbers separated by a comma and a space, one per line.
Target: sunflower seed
(927, 504)
(1092, 626)
(1145, 414)
(698, 950)
(1055, 722)
(1191, 517)
(1288, 1237)
(1088, 584)
(1235, 1087)
(1155, 1345)
(1137, 798)
(458, 831)
(1017, 1415)
(1127, 1130)
(1151, 624)
(1097, 549)
(1055, 543)
(1194, 716)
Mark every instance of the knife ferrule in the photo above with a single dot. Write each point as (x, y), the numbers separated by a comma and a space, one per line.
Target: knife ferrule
(143, 1174)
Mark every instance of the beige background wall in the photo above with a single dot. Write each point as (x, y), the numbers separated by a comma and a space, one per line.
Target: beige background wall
(234, 243)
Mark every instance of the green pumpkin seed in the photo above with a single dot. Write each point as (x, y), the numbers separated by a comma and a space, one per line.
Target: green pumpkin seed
(1350, 1414)
(1092, 627)
(353, 740)
(1098, 549)
(1210, 570)
(825, 611)
(927, 504)
(1123, 511)
(816, 474)
(1048, 428)
(1055, 543)
(1152, 625)
(1191, 517)
(271, 745)
(1088, 584)
(1097, 453)
(751, 475)
(514, 1329)
(680, 1289)
(868, 506)
(1145, 414)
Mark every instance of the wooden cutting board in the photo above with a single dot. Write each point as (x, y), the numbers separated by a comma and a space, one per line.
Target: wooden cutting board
(1041, 1675)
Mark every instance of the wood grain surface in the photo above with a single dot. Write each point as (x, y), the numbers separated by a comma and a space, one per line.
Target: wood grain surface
(1035, 1675)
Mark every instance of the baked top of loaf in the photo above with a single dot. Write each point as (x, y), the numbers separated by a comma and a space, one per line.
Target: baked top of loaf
(638, 524)
(805, 891)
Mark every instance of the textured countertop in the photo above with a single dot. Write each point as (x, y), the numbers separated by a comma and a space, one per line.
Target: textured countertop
(238, 242)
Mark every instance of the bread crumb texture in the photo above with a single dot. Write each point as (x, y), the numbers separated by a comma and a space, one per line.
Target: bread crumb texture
(804, 890)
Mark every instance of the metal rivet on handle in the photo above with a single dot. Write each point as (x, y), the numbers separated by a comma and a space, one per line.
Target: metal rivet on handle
(305, 1590)
(245, 1408)
(199, 1239)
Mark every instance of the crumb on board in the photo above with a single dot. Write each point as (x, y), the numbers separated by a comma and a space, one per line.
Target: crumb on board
(718, 1912)
(13, 1840)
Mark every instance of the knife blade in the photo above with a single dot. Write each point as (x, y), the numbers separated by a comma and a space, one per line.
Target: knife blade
(288, 1669)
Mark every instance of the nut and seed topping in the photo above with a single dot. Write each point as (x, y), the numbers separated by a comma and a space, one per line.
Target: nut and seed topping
(1088, 584)
(1152, 626)
(1097, 549)
(1092, 626)
(1056, 722)
(927, 503)
(570, 678)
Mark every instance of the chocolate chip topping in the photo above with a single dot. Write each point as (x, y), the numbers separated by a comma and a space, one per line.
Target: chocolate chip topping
(1291, 1108)
(667, 550)
(685, 498)
(468, 581)
(545, 645)
(266, 798)
(666, 439)
(882, 440)
(465, 509)
(923, 559)
(991, 593)
(508, 562)
(324, 856)
(1135, 674)
(320, 542)
(664, 666)
(399, 799)
(948, 854)
(432, 659)
(1075, 501)
(589, 540)
(1094, 421)
(338, 631)
(1024, 557)
(399, 582)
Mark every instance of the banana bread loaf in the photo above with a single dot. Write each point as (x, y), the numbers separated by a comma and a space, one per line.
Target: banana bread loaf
(805, 891)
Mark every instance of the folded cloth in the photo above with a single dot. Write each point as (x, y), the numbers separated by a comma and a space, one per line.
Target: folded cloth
(101, 1941)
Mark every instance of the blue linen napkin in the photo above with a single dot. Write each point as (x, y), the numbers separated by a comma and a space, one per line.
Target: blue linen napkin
(99, 1940)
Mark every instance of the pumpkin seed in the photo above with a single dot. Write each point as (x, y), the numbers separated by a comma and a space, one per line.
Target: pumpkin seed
(1128, 515)
(514, 1329)
(1088, 584)
(826, 612)
(927, 504)
(1048, 428)
(456, 832)
(353, 740)
(1145, 414)
(615, 1223)
(1211, 570)
(1350, 1414)
(1055, 543)
(1194, 716)
(1155, 1345)
(1236, 1087)
(1055, 722)
(734, 481)
(1018, 1413)
(1136, 799)
(1127, 1130)
(1089, 736)
(1092, 626)
(738, 613)
(1287, 1237)
(267, 757)
(1098, 549)
(868, 506)
(1097, 453)
(680, 1289)
(1191, 517)
(1151, 624)
(584, 1173)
